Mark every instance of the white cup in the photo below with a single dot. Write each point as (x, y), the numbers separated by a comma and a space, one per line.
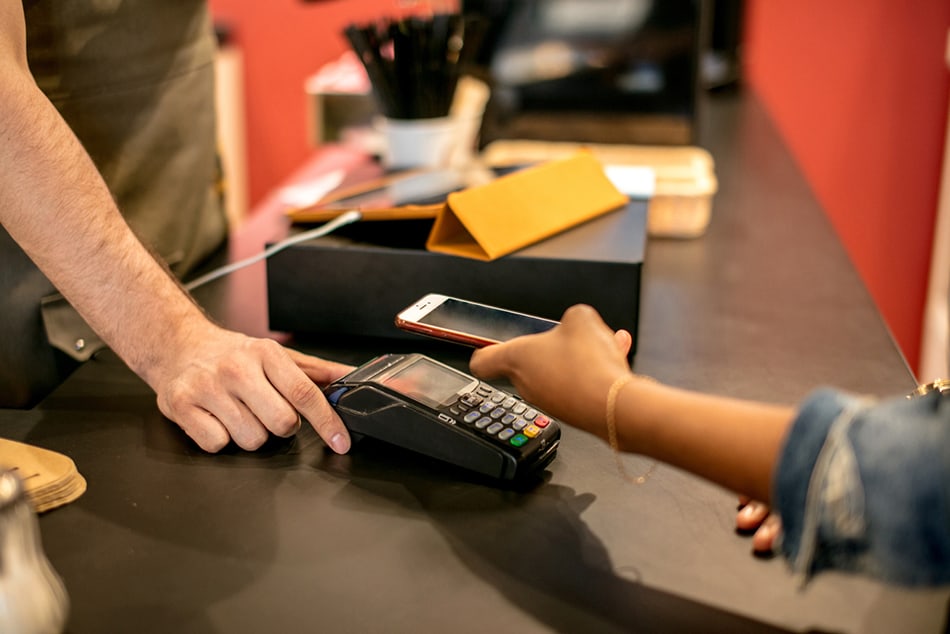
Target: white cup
(414, 143)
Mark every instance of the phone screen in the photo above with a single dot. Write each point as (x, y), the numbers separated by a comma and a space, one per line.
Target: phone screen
(484, 322)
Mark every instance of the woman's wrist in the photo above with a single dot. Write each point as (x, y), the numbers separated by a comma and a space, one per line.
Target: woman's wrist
(626, 411)
(610, 433)
(621, 422)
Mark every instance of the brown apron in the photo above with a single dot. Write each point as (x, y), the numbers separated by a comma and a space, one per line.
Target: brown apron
(134, 80)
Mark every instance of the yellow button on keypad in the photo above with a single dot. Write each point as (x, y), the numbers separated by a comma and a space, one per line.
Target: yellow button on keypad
(531, 431)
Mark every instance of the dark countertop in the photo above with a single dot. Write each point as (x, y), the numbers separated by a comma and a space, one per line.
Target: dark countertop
(295, 539)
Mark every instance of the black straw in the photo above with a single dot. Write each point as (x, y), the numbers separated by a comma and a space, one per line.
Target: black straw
(414, 63)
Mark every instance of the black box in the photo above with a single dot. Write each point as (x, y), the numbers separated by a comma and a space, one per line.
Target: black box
(354, 282)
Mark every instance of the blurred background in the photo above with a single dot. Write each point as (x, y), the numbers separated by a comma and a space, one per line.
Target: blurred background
(858, 89)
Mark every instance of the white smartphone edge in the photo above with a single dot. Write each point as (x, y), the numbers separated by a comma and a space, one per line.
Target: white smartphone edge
(421, 307)
(408, 319)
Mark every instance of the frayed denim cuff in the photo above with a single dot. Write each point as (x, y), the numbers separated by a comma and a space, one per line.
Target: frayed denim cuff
(864, 486)
(794, 472)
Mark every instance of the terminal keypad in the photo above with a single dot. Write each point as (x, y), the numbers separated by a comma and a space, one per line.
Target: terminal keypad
(499, 415)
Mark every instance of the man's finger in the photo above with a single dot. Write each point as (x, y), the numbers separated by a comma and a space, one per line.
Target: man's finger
(300, 391)
(206, 430)
(320, 371)
(327, 424)
(244, 426)
(310, 402)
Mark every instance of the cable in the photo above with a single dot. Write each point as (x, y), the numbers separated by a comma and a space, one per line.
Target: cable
(347, 218)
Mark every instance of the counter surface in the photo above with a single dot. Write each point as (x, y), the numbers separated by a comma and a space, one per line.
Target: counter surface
(295, 539)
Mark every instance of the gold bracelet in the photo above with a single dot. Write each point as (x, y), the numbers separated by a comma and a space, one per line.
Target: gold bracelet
(612, 394)
(942, 386)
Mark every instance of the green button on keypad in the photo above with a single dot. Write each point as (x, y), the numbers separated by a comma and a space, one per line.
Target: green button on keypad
(518, 439)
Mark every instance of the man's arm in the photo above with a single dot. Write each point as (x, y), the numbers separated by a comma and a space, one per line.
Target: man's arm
(216, 384)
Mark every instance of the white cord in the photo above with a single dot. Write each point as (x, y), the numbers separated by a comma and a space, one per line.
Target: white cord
(347, 218)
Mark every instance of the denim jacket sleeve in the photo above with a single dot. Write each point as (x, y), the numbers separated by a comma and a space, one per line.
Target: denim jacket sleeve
(864, 486)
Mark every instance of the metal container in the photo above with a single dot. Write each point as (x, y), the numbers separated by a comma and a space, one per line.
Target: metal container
(33, 599)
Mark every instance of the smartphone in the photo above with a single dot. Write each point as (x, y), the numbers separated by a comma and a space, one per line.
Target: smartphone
(466, 322)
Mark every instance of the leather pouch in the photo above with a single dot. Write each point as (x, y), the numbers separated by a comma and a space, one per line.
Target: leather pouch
(524, 207)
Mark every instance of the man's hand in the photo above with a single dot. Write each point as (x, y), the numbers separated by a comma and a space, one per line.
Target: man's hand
(234, 387)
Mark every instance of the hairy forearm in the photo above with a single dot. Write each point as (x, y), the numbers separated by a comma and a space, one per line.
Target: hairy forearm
(56, 206)
(731, 442)
(219, 386)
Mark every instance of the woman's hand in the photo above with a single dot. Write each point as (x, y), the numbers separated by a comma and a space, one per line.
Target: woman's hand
(565, 371)
(757, 518)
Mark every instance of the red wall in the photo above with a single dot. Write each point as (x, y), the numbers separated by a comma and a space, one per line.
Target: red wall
(284, 42)
(859, 91)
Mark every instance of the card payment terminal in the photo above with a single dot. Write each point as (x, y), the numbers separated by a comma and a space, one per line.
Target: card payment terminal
(415, 402)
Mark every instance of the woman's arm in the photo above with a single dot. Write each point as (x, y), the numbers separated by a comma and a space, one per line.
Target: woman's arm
(569, 371)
